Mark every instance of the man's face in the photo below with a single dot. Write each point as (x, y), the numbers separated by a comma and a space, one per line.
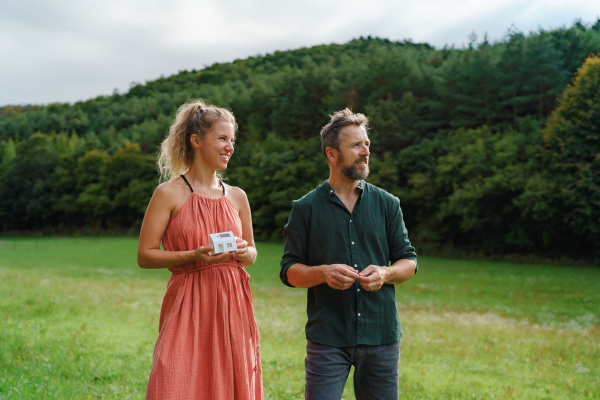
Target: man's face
(353, 156)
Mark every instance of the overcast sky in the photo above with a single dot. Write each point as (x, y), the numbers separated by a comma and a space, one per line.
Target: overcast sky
(71, 50)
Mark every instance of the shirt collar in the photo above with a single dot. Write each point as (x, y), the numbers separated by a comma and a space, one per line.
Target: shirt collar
(329, 189)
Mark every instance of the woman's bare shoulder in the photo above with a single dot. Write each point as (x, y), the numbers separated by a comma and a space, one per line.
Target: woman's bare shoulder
(236, 195)
(171, 192)
(166, 189)
(235, 191)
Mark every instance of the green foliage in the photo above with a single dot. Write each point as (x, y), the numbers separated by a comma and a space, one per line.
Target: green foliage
(51, 191)
(572, 158)
(456, 133)
(7, 154)
(27, 183)
(466, 187)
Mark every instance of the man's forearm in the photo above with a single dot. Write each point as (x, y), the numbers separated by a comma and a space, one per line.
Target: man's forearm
(400, 271)
(303, 276)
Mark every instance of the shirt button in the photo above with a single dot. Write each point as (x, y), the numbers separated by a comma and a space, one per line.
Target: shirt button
(352, 243)
(358, 290)
(359, 314)
(350, 220)
(355, 266)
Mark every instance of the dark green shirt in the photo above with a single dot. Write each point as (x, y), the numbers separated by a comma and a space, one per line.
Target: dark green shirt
(321, 230)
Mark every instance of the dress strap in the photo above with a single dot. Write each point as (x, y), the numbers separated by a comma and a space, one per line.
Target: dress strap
(190, 186)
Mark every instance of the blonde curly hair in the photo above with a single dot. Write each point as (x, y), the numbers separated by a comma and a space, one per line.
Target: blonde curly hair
(176, 153)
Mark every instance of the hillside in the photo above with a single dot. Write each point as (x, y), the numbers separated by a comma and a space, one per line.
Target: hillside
(460, 135)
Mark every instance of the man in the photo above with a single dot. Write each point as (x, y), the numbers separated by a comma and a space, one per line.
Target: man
(339, 241)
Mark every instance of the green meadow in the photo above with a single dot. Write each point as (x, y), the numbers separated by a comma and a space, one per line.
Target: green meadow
(79, 319)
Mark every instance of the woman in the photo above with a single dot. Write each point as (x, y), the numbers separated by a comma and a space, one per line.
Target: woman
(208, 343)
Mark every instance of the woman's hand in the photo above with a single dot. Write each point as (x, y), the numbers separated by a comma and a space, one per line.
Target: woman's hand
(242, 249)
(203, 253)
(245, 254)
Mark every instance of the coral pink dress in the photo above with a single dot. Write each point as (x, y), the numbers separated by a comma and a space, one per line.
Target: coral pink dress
(208, 342)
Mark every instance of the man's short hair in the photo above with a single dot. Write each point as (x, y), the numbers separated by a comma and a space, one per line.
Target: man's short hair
(330, 133)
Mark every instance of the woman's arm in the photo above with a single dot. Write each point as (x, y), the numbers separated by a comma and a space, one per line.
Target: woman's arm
(155, 223)
(246, 253)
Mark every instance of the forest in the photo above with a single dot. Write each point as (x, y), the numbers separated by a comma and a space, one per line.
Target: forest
(493, 148)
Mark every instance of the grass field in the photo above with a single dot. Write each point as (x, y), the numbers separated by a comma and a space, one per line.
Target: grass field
(79, 320)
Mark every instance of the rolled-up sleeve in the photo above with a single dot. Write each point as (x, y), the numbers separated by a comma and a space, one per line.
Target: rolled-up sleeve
(399, 245)
(295, 233)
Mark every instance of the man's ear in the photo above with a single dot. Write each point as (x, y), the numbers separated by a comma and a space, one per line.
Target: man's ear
(331, 154)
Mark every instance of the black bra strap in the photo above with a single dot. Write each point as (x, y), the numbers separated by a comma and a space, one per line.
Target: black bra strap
(186, 181)
(223, 186)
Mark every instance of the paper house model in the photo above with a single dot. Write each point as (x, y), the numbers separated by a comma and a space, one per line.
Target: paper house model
(222, 242)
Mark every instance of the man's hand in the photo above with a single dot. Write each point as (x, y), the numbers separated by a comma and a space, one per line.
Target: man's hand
(340, 276)
(372, 278)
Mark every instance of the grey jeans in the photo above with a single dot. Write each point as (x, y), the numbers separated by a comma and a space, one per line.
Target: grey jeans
(375, 371)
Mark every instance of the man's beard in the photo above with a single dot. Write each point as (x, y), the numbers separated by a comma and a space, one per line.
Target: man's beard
(352, 171)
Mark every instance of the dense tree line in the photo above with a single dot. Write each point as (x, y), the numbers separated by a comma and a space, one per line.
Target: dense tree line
(493, 148)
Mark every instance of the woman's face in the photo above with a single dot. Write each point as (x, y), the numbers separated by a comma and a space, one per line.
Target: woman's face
(216, 147)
